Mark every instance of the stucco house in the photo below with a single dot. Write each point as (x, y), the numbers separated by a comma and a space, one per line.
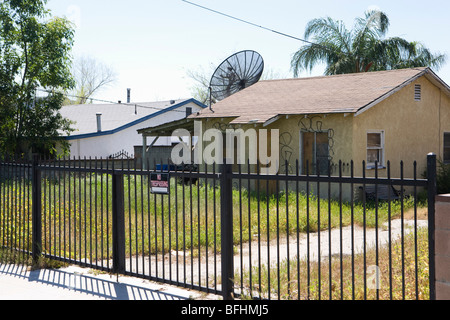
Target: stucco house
(105, 130)
(375, 117)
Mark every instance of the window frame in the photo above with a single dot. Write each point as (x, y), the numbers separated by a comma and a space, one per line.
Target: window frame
(446, 161)
(381, 164)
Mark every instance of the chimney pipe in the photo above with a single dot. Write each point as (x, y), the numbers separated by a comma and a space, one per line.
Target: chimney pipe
(128, 95)
(99, 122)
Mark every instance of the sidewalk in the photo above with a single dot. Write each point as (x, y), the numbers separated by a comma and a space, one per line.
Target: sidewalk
(17, 282)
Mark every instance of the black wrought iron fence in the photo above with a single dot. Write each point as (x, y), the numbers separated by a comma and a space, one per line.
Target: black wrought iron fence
(231, 232)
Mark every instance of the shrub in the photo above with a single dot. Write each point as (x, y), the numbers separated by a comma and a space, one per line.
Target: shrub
(443, 177)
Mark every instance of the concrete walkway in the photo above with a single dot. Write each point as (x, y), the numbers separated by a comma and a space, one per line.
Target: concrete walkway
(17, 282)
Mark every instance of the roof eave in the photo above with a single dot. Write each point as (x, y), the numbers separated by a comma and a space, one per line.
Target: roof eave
(135, 122)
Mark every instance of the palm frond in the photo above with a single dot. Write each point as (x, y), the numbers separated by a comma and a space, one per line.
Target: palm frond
(362, 49)
(332, 41)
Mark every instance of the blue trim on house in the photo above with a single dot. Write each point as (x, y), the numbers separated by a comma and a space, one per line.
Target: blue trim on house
(104, 133)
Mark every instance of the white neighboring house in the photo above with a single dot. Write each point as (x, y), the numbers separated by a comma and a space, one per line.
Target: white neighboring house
(103, 130)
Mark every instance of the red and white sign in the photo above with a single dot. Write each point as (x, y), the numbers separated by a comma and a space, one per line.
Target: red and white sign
(159, 183)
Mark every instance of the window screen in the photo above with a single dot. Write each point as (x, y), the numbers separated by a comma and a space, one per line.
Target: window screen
(374, 140)
(375, 148)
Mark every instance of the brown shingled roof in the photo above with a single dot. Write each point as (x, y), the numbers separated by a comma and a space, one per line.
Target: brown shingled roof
(347, 93)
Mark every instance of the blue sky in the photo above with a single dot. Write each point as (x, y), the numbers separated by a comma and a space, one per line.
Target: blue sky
(152, 44)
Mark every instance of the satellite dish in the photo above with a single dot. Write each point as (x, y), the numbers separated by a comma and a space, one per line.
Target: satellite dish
(239, 71)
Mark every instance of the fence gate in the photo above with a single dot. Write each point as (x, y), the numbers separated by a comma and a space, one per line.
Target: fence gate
(233, 231)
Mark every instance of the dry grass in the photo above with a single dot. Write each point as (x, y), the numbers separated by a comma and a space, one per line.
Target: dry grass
(397, 275)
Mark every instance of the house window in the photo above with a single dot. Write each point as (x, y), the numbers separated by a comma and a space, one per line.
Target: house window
(418, 92)
(315, 152)
(375, 149)
(447, 147)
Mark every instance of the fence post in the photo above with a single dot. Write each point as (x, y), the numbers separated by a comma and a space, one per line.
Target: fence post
(36, 210)
(226, 224)
(432, 191)
(118, 223)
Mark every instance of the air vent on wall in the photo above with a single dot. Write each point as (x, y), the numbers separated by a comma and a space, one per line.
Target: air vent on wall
(418, 92)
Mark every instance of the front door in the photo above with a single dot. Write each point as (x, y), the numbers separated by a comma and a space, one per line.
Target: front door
(314, 150)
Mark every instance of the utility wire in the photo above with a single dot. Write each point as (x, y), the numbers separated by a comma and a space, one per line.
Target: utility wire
(268, 29)
(255, 25)
(109, 102)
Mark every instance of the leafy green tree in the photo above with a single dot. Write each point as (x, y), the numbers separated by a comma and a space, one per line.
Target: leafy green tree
(34, 71)
(361, 49)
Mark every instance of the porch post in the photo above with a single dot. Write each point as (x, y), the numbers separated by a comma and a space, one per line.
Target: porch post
(144, 152)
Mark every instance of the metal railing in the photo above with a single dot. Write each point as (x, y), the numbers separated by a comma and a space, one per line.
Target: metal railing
(234, 233)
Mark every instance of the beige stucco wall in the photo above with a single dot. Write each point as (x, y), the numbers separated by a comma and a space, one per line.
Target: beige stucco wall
(339, 127)
(412, 128)
(444, 124)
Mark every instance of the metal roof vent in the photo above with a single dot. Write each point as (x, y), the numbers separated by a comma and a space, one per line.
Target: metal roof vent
(417, 92)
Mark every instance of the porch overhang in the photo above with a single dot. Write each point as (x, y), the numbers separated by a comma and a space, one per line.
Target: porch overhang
(163, 130)
(166, 129)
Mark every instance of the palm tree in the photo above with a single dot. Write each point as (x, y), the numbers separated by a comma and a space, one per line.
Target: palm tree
(362, 49)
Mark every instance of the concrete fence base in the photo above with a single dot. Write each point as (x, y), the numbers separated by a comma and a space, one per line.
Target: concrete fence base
(442, 247)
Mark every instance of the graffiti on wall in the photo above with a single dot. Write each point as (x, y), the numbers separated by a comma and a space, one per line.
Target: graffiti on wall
(315, 124)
